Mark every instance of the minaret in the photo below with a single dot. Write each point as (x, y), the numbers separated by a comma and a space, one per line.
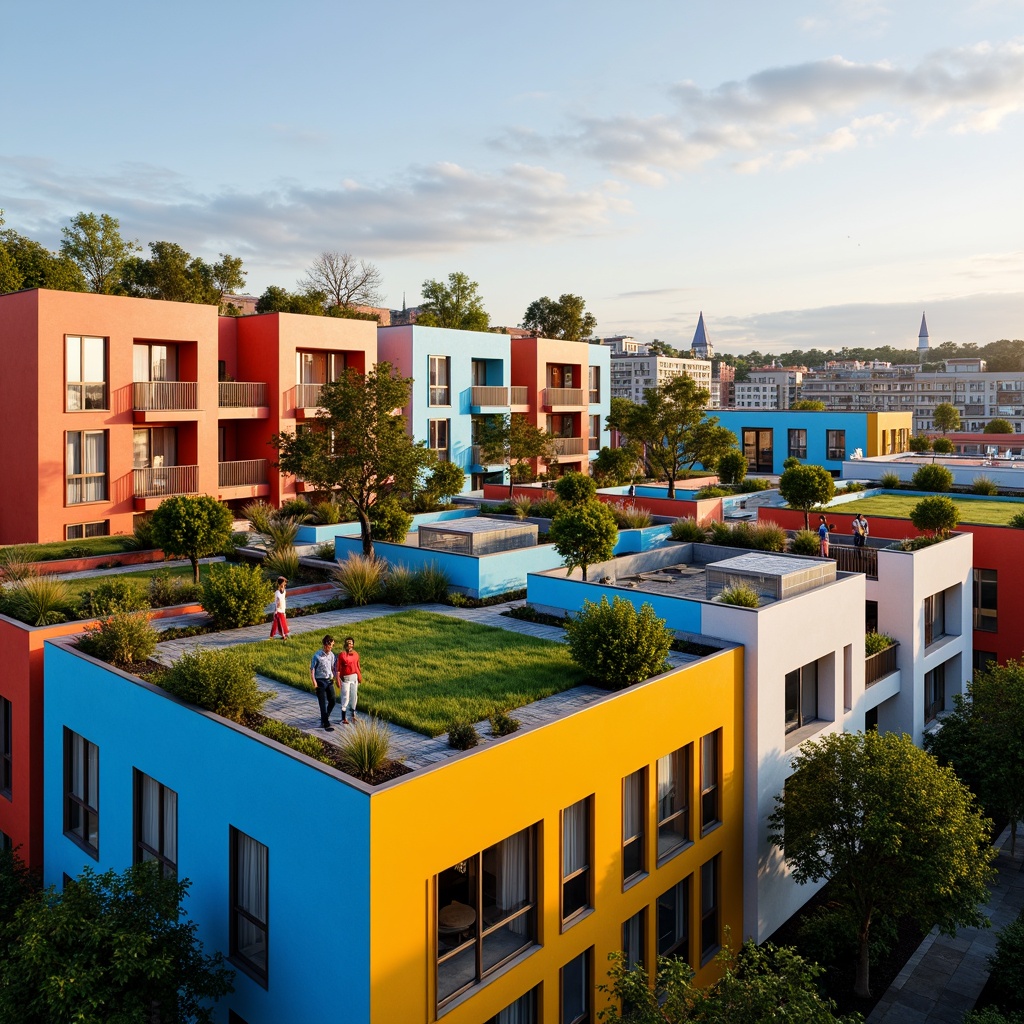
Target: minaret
(701, 346)
(922, 341)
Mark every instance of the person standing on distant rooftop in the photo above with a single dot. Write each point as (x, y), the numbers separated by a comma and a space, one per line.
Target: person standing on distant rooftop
(822, 537)
(349, 677)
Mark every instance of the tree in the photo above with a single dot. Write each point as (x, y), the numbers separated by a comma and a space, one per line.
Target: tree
(808, 405)
(175, 275)
(457, 305)
(512, 441)
(946, 417)
(982, 738)
(583, 532)
(564, 317)
(445, 481)
(25, 263)
(360, 445)
(191, 526)
(344, 280)
(708, 441)
(920, 443)
(998, 426)
(279, 300)
(807, 487)
(943, 446)
(893, 832)
(94, 244)
(618, 465)
(663, 348)
(115, 947)
(574, 488)
(732, 467)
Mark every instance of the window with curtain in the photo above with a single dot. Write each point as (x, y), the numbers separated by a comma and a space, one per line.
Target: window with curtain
(710, 780)
(82, 792)
(522, 1011)
(934, 692)
(835, 441)
(437, 438)
(633, 932)
(5, 748)
(634, 817)
(86, 466)
(798, 444)
(154, 363)
(801, 696)
(249, 940)
(575, 979)
(674, 830)
(439, 370)
(156, 824)
(986, 582)
(85, 370)
(710, 928)
(934, 617)
(576, 875)
(594, 382)
(674, 920)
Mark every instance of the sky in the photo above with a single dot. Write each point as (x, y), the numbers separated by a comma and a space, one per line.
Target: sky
(809, 174)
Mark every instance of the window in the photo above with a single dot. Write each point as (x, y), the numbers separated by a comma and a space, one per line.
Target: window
(801, 696)
(674, 921)
(249, 898)
(835, 442)
(576, 845)
(154, 363)
(156, 824)
(6, 843)
(983, 660)
(798, 444)
(76, 531)
(934, 618)
(633, 932)
(85, 370)
(522, 1011)
(674, 801)
(710, 930)
(86, 466)
(594, 380)
(154, 447)
(575, 977)
(439, 380)
(710, 780)
(437, 438)
(595, 433)
(5, 747)
(82, 792)
(985, 592)
(634, 816)
(486, 912)
(934, 692)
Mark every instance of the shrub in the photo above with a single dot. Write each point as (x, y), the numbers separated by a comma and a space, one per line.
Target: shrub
(325, 551)
(545, 509)
(114, 594)
(236, 595)
(295, 509)
(38, 600)
(142, 533)
(294, 738)
(584, 534)
(1007, 963)
(935, 516)
(366, 748)
(616, 644)
(754, 483)
(932, 478)
(920, 444)
(166, 590)
(689, 529)
(984, 485)
(804, 542)
(16, 563)
(629, 517)
(431, 583)
(875, 643)
(732, 467)
(191, 526)
(1016, 521)
(719, 533)
(943, 446)
(740, 594)
(361, 578)
(457, 600)
(993, 1015)
(522, 506)
(326, 513)
(462, 735)
(890, 481)
(400, 585)
(712, 492)
(282, 562)
(75, 551)
(260, 515)
(219, 681)
(574, 488)
(390, 521)
(125, 640)
(503, 724)
(790, 463)
(852, 486)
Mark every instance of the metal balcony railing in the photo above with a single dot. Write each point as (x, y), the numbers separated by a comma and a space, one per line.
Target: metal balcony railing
(519, 395)
(570, 445)
(247, 473)
(877, 666)
(564, 396)
(307, 396)
(488, 395)
(239, 394)
(165, 395)
(154, 482)
(849, 558)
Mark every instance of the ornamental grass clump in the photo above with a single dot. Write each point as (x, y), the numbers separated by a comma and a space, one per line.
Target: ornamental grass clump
(768, 536)
(462, 735)
(361, 578)
(522, 506)
(740, 594)
(984, 485)
(126, 640)
(283, 562)
(688, 529)
(805, 542)
(400, 585)
(890, 481)
(629, 517)
(16, 563)
(431, 583)
(366, 748)
(219, 681)
(236, 595)
(616, 644)
(166, 590)
(38, 600)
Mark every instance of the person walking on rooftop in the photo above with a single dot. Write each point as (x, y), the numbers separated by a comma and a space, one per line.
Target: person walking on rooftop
(822, 537)
(280, 623)
(321, 672)
(349, 677)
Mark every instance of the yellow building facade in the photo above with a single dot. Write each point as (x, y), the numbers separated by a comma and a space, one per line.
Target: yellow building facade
(889, 432)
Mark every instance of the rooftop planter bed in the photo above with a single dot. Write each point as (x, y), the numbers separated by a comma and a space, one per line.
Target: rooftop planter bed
(972, 510)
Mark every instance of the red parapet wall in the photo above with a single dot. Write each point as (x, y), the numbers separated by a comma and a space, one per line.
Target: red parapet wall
(100, 561)
(704, 511)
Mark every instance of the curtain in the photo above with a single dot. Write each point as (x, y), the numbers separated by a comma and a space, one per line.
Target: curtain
(682, 912)
(514, 877)
(632, 806)
(575, 847)
(666, 786)
(632, 941)
(251, 896)
(94, 460)
(149, 825)
(170, 850)
(520, 1012)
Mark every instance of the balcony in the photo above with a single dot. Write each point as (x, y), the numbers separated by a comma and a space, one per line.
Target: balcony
(307, 400)
(488, 399)
(878, 666)
(571, 445)
(161, 401)
(153, 484)
(854, 559)
(479, 465)
(245, 479)
(563, 399)
(238, 399)
(519, 398)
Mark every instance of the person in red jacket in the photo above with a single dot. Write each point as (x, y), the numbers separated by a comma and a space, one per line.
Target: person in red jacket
(349, 677)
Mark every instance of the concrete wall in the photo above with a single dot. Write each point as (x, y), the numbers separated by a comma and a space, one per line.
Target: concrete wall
(310, 534)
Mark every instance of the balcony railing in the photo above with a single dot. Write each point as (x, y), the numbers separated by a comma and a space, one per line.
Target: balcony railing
(307, 396)
(849, 558)
(571, 445)
(564, 396)
(520, 395)
(488, 395)
(165, 395)
(154, 482)
(248, 473)
(240, 394)
(478, 457)
(878, 666)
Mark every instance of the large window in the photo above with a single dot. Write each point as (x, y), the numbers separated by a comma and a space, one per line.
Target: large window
(154, 362)
(934, 617)
(522, 1011)
(835, 442)
(710, 780)
(82, 792)
(674, 801)
(319, 367)
(634, 818)
(983, 660)
(801, 696)
(5, 747)
(985, 593)
(250, 868)
(594, 380)
(575, 977)
(934, 692)
(710, 926)
(595, 433)
(440, 393)
(86, 466)
(798, 444)
(85, 369)
(156, 824)
(674, 920)
(633, 933)
(437, 438)
(76, 531)
(154, 447)
(486, 912)
(576, 859)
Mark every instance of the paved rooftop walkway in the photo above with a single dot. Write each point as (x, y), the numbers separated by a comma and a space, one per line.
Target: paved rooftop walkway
(944, 978)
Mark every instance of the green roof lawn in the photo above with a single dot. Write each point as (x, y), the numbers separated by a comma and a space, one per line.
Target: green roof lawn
(422, 670)
(972, 510)
(80, 584)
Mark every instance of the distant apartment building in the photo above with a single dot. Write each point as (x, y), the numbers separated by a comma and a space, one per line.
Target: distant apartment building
(769, 387)
(624, 345)
(633, 375)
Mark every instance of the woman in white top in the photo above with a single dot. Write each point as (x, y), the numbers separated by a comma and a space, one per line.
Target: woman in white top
(280, 624)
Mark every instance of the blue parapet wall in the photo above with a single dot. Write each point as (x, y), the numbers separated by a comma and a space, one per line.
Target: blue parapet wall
(309, 534)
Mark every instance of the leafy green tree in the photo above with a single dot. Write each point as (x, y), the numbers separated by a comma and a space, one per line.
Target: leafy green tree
(919, 443)
(445, 481)
(732, 467)
(618, 465)
(808, 405)
(175, 275)
(31, 265)
(114, 947)
(663, 348)
(565, 317)
(457, 304)
(574, 488)
(361, 445)
(708, 441)
(513, 441)
(191, 526)
(343, 280)
(893, 831)
(982, 738)
(583, 533)
(94, 244)
(279, 300)
(946, 417)
(998, 426)
(807, 487)
(943, 446)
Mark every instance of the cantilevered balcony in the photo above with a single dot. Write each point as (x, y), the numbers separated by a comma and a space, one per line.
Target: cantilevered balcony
(242, 400)
(160, 401)
(878, 666)
(488, 399)
(571, 445)
(519, 397)
(306, 400)
(563, 399)
(480, 463)
(244, 479)
(153, 484)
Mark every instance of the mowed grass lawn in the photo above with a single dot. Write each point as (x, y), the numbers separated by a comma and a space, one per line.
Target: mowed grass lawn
(972, 510)
(80, 585)
(423, 670)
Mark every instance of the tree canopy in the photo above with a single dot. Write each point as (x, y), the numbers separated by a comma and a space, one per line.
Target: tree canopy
(946, 417)
(808, 405)
(583, 533)
(191, 526)
(895, 833)
(998, 426)
(94, 244)
(565, 317)
(513, 441)
(807, 487)
(173, 274)
(344, 280)
(456, 305)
